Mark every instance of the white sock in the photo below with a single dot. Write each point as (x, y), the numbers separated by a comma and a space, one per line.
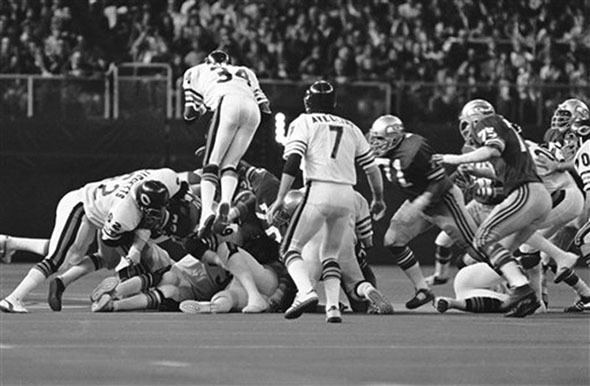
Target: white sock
(332, 289)
(513, 274)
(30, 282)
(300, 275)
(416, 276)
(228, 182)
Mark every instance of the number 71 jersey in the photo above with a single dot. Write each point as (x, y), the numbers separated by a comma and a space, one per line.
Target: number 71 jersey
(329, 146)
(204, 84)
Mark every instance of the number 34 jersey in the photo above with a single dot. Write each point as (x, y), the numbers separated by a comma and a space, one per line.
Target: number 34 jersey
(410, 165)
(582, 163)
(517, 167)
(329, 146)
(205, 84)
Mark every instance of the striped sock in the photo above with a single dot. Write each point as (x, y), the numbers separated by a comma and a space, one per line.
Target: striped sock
(480, 304)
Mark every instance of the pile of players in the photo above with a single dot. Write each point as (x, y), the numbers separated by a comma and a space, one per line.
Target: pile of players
(250, 243)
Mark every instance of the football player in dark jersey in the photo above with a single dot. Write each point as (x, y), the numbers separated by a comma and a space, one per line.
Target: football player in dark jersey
(525, 207)
(432, 198)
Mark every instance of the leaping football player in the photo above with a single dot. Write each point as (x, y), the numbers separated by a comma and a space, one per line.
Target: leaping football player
(234, 95)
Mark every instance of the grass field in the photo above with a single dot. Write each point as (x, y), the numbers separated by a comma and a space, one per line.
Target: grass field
(76, 347)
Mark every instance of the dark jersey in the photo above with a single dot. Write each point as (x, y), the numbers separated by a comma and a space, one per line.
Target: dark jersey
(515, 166)
(410, 165)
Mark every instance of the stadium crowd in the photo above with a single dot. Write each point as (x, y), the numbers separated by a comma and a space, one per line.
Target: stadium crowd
(519, 42)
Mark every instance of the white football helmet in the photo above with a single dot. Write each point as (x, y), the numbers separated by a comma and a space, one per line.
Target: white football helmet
(293, 199)
(567, 113)
(471, 113)
(386, 133)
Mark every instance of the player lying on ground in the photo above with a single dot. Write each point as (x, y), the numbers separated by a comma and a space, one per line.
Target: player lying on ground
(117, 208)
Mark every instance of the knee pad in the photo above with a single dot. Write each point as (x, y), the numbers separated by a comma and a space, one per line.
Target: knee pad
(331, 269)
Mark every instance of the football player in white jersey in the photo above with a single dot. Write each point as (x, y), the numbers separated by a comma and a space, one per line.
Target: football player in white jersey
(234, 95)
(110, 205)
(329, 146)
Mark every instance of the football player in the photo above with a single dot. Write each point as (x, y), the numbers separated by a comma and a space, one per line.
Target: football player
(525, 207)
(486, 193)
(110, 205)
(329, 146)
(234, 95)
(432, 198)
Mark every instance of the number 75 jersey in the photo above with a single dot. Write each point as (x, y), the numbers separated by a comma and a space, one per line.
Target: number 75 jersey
(329, 146)
(204, 84)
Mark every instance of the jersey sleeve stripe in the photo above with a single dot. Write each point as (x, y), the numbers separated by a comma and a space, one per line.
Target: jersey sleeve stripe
(288, 152)
(364, 234)
(584, 172)
(436, 174)
(363, 221)
(496, 143)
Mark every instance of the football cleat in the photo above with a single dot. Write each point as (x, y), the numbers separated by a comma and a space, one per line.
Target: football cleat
(5, 252)
(56, 291)
(107, 286)
(523, 301)
(195, 307)
(436, 280)
(422, 296)
(205, 231)
(301, 304)
(441, 304)
(583, 304)
(221, 221)
(12, 306)
(104, 304)
(379, 301)
(255, 307)
(333, 315)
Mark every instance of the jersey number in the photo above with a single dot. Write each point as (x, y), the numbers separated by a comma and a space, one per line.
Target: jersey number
(226, 76)
(338, 131)
(399, 174)
(585, 159)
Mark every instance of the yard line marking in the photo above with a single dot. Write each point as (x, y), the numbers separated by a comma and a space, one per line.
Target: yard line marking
(6, 346)
(170, 363)
(231, 346)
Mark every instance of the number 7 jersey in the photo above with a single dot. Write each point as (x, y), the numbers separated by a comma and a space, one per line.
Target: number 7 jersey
(329, 146)
(204, 84)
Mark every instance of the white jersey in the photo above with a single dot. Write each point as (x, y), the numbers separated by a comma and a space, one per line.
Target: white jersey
(113, 194)
(329, 146)
(582, 163)
(205, 84)
(553, 181)
(363, 227)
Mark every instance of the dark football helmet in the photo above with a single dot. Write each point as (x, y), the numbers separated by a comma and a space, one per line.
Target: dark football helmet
(386, 133)
(218, 57)
(320, 97)
(151, 197)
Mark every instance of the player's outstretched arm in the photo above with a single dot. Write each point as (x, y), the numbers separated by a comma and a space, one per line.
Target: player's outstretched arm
(481, 154)
(376, 184)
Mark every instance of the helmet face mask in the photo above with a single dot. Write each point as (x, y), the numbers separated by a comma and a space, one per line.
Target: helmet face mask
(320, 97)
(386, 133)
(567, 113)
(151, 197)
